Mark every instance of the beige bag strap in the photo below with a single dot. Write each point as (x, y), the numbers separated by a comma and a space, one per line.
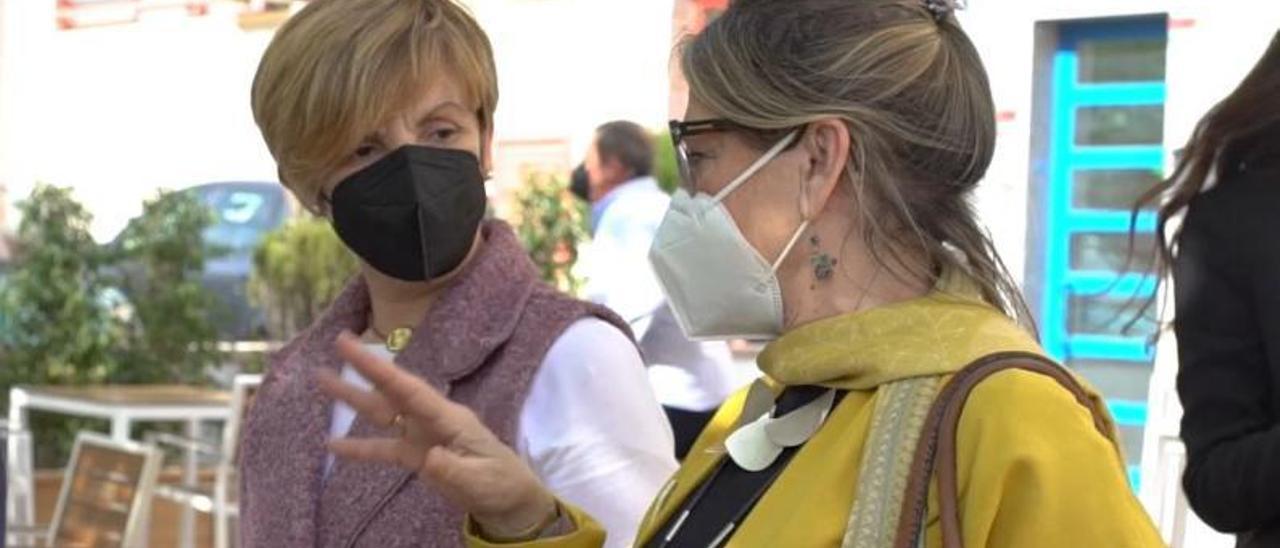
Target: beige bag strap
(937, 446)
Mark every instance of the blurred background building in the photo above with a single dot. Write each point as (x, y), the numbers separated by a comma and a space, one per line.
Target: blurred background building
(116, 98)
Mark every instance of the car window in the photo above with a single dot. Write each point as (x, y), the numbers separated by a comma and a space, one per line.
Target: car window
(242, 216)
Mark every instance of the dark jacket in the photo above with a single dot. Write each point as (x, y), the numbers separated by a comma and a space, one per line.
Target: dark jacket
(1227, 288)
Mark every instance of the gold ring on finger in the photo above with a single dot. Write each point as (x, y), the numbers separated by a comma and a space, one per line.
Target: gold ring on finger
(399, 425)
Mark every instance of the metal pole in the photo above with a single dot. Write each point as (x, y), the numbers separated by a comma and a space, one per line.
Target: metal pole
(20, 508)
(4, 480)
(120, 426)
(190, 478)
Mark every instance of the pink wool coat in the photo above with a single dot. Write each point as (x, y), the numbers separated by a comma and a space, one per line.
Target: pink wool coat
(480, 344)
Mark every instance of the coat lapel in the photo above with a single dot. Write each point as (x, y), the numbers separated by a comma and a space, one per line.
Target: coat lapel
(471, 319)
(294, 433)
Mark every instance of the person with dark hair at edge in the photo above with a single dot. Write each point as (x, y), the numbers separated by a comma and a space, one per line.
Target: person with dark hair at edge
(1225, 264)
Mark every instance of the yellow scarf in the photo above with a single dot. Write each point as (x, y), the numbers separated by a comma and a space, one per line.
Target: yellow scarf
(904, 351)
(937, 334)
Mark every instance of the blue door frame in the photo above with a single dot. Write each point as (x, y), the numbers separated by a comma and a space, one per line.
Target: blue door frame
(1063, 219)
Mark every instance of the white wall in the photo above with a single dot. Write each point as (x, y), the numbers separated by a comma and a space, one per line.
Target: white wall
(564, 68)
(119, 111)
(567, 66)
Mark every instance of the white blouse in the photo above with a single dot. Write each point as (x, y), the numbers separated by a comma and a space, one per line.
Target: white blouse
(590, 429)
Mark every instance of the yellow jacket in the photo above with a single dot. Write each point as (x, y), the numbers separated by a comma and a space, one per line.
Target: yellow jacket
(1033, 471)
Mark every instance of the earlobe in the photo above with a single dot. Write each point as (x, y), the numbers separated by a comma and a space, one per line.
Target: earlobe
(806, 205)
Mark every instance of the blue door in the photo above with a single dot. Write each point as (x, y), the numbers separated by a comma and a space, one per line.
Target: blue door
(1106, 149)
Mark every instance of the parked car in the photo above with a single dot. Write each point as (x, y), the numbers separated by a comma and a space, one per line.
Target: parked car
(244, 213)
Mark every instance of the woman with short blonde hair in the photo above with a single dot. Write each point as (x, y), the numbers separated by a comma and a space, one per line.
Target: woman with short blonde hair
(379, 114)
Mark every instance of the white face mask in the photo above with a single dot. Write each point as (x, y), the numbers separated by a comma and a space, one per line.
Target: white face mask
(718, 285)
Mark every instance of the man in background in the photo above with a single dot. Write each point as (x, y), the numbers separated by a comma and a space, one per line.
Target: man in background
(580, 184)
(690, 379)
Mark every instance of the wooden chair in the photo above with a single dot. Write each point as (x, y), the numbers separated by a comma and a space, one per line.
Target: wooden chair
(106, 493)
(222, 502)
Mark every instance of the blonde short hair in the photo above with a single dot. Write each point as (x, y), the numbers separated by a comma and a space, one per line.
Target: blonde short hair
(339, 68)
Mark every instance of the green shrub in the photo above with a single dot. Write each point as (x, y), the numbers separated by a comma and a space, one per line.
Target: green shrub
(65, 323)
(552, 223)
(665, 169)
(298, 270)
(173, 338)
(59, 330)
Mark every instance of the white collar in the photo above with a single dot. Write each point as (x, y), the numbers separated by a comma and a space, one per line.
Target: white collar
(756, 444)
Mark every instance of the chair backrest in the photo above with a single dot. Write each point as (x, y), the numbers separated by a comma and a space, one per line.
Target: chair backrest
(105, 493)
(243, 389)
(4, 478)
(15, 477)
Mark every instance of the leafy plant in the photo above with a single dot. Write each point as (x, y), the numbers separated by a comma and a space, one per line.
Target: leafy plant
(66, 323)
(173, 338)
(665, 169)
(57, 329)
(297, 272)
(552, 223)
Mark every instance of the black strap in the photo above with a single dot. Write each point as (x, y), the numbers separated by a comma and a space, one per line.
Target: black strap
(731, 492)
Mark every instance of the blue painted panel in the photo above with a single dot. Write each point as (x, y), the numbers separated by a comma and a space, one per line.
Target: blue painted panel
(1110, 222)
(1062, 220)
(1138, 27)
(1128, 413)
(1107, 347)
(1126, 94)
(1112, 157)
(1106, 282)
(1057, 252)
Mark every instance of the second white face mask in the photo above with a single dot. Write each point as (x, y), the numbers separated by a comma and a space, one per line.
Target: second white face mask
(718, 285)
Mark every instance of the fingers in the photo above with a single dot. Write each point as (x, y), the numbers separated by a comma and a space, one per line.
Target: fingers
(369, 404)
(439, 418)
(438, 464)
(387, 451)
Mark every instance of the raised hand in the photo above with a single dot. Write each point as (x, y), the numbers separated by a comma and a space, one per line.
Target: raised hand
(443, 442)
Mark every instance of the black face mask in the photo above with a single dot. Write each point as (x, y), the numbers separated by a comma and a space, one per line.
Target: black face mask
(580, 184)
(412, 215)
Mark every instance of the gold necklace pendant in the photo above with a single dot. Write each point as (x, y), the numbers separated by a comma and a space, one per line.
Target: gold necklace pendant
(397, 339)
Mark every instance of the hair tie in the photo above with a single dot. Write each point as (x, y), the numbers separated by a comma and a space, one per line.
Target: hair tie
(941, 8)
